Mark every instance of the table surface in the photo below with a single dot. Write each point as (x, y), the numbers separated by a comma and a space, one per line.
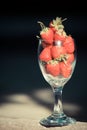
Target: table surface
(23, 112)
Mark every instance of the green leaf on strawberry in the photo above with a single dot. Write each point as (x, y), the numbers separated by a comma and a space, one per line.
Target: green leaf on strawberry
(56, 24)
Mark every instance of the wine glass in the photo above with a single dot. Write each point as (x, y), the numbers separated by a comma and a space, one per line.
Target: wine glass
(57, 72)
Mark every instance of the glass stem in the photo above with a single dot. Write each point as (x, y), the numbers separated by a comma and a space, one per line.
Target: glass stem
(58, 107)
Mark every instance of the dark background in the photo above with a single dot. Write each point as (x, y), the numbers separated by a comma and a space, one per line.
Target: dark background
(19, 70)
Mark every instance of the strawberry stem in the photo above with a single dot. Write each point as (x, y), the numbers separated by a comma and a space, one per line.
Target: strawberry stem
(64, 19)
(41, 24)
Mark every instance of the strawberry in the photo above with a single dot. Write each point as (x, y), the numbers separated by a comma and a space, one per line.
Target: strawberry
(59, 36)
(53, 68)
(52, 26)
(69, 44)
(66, 69)
(44, 44)
(46, 34)
(45, 54)
(70, 58)
(57, 51)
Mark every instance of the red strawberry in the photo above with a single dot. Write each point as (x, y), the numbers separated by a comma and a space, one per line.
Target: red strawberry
(69, 44)
(53, 69)
(56, 51)
(52, 26)
(46, 33)
(66, 69)
(44, 44)
(45, 54)
(70, 58)
(59, 36)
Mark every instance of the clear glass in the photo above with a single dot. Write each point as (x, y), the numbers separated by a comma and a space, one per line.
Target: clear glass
(58, 117)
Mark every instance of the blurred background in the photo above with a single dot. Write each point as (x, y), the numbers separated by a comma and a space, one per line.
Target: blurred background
(19, 70)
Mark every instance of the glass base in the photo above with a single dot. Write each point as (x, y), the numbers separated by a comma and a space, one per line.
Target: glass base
(57, 120)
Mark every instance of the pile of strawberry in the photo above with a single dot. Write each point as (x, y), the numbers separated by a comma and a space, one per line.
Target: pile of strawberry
(58, 48)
